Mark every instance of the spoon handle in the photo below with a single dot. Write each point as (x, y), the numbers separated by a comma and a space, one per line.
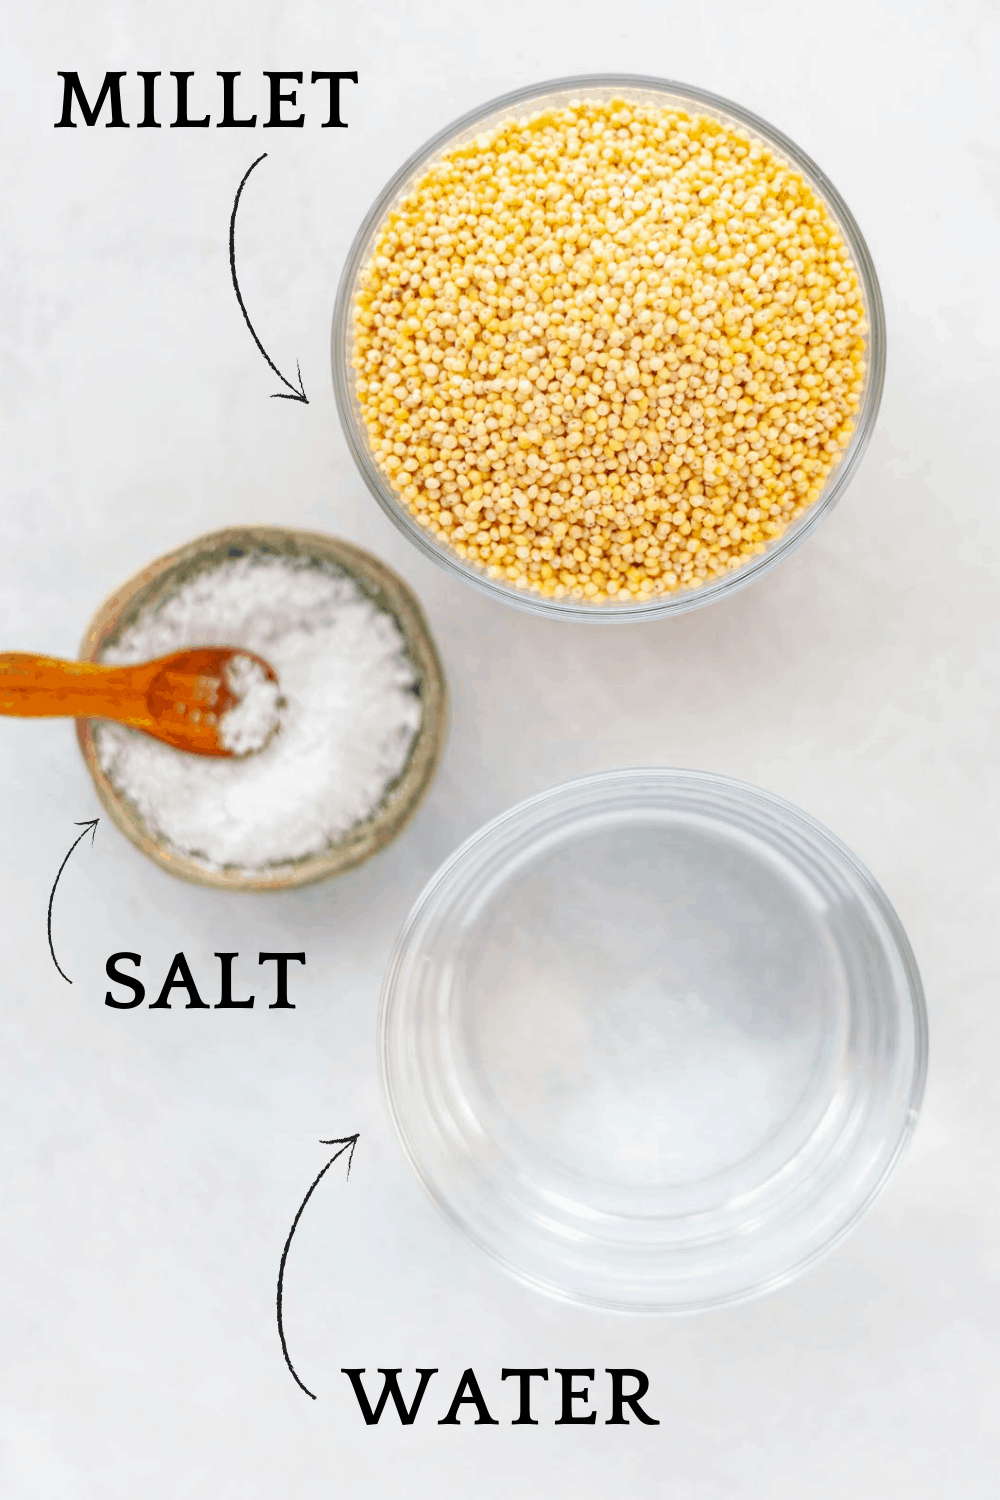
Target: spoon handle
(43, 687)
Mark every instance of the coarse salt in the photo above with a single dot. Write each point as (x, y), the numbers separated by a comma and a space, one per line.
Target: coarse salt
(256, 714)
(351, 711)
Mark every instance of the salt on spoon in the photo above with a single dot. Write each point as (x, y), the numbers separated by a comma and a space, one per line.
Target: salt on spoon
(354, 708)
(212, 700)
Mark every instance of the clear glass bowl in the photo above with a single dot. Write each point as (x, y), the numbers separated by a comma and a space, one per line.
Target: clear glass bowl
(653, 1040)
(559, 92)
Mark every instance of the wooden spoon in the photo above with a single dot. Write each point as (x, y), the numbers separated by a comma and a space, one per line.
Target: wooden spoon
(179, 699)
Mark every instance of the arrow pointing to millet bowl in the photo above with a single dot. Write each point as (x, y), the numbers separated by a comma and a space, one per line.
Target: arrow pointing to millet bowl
(292, 394)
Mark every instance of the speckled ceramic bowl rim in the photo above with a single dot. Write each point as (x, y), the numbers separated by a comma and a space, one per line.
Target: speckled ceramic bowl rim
(520, 102)
(158, 579)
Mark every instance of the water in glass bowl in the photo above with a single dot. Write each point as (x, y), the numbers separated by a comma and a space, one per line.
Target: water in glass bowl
(653, 1040)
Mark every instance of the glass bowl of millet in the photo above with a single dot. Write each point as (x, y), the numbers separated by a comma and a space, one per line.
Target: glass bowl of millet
(608, 347)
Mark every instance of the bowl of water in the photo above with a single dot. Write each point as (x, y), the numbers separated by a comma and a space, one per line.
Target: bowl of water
(654, 1040)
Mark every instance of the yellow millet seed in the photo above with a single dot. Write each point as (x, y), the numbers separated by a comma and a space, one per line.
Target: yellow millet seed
(610, 350)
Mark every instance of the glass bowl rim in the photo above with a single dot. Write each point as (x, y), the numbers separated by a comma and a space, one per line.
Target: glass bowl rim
(823, 841)
(683, 600)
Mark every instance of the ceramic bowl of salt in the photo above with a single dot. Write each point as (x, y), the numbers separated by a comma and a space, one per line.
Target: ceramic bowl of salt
(364, 711)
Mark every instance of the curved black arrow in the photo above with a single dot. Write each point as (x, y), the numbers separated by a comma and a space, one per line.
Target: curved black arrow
(92, 825)
(291, 394)
(346, 1143)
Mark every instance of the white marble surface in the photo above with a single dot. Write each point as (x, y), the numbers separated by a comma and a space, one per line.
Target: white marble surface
(150, 1164)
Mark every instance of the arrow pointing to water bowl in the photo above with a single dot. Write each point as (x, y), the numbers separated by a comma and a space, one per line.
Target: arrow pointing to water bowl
(346, 1143)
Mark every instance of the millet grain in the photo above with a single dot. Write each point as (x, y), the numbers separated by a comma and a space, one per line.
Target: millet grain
(610, 350)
